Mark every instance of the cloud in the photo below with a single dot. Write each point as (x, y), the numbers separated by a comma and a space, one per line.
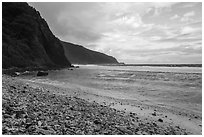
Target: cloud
(178, 54)
(72, 22)
(188, 4)
(187, 33)
(174, 17)
(187, 30)
(187, 16)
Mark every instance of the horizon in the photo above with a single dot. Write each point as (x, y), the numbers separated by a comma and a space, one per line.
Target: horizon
(133, 33)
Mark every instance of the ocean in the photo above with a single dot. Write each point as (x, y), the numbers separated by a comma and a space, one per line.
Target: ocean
(146, 68)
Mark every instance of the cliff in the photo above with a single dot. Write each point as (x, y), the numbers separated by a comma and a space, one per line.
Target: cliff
(80, 55)
(27, 40)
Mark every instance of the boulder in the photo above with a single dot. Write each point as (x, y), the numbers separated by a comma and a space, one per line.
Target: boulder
(17, 73)
(42, 73)
(26, 73)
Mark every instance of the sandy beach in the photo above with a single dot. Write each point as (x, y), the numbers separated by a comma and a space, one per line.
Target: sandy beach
(165, 98)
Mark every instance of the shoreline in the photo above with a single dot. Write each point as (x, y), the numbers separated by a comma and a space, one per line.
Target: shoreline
(12, 71)
(132, 123)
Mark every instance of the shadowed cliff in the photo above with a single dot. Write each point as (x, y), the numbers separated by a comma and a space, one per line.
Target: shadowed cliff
(27, 40)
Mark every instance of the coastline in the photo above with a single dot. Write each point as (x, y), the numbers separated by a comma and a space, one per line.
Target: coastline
(31, 108)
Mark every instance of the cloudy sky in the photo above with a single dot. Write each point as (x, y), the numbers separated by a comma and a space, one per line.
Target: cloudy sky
(131, 32)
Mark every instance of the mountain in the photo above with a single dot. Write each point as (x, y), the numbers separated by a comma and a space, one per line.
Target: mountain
(27, 40)
(79, 55)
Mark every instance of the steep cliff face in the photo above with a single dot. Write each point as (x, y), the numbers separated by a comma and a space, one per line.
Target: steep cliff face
(27, 40)
(80, 55)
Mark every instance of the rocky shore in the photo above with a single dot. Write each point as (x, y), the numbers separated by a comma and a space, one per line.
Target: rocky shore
(28, 110)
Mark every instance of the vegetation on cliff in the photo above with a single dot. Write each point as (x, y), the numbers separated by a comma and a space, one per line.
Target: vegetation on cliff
(80, 55)
(27, 40)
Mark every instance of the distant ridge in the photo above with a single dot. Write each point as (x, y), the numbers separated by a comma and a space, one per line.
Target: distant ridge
(78, 54)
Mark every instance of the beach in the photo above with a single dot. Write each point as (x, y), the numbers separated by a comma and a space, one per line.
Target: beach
(172, 100)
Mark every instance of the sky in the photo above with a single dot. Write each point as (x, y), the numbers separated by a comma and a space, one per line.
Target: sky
(132, 32)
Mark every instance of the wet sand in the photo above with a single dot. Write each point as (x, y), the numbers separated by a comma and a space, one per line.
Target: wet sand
(175, 98)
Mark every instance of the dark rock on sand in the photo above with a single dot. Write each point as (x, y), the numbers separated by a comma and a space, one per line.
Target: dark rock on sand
(42, 73)
(154, 114)
(160, 120)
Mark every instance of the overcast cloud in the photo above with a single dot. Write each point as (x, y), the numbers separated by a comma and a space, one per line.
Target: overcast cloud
(131, 32)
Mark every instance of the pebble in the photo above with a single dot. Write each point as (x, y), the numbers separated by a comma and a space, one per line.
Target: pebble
(45, 132)
(154, 114)
(160, 120)
(39, 123)
(97, 121)
(7, 116)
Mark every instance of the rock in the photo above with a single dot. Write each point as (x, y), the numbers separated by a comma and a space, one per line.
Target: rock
(28, 125)
(17, 73)
(139, 132)
(39, 123)
(45, 132)
(124, 129)
(20, 114)
(7, 116)
(31, 128)
(13, 87)
(144, 133)
(154, 114)
(97, 129)
(160, 120)
(42, 73)
(56, 126)
(154, 124)
(26, 73)
(97, 121)
(71, 108)
(78, 132)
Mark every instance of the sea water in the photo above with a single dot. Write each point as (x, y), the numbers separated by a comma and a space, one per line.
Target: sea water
(146, 68)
